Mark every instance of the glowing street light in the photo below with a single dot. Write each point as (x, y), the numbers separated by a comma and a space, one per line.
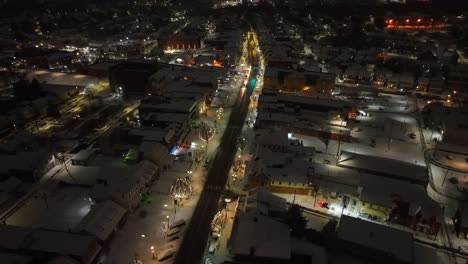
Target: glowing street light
(152, 252)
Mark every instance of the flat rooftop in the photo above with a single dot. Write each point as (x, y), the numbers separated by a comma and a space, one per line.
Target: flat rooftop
(59, 208)
(388, 240)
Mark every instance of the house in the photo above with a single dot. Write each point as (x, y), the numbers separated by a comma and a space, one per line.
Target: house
(263, 202)
(125, 190)
(406, 82)
(393, 82)
(423, 84)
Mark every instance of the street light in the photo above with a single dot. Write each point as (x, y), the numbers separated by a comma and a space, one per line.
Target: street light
(152, 252)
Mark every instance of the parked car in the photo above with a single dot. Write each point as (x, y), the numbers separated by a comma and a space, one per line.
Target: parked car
(212, 247)
(216, 233)
(165, 255)
(324, 204)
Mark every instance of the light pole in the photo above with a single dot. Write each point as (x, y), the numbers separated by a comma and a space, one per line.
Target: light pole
(167, 229)
(61, 157)
(153, 252)
(227, 200)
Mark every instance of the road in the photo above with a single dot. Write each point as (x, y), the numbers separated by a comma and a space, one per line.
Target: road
(194, 243)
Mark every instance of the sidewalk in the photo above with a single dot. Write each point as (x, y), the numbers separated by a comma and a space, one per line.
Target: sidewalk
(222, 252)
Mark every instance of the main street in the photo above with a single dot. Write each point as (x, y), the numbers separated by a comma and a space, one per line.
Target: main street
(194, 243)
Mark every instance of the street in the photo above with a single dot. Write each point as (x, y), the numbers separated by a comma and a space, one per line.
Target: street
(194, 243)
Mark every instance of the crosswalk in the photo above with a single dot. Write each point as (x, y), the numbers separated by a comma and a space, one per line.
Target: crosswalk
(214, 187)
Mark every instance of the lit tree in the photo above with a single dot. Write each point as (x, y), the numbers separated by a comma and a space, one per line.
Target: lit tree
(182, 188)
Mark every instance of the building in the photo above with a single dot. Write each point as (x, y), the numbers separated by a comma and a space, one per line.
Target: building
(146, 143)
(423, 84)
(42, 244)
(289, 80)
(185, 108)
(252, 239)
(263, 202)
(131, 77)
(180, 42)
(374, 242)
(460, 221)
(395, 201)
(101, 69)
(46, 58)
(449, 121)
(103, 219)
(281, 165)
(83, 157)
(121, 184)
(325, 118)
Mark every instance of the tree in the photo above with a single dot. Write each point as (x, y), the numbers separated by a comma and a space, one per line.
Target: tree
(329, 230)
(295, 220)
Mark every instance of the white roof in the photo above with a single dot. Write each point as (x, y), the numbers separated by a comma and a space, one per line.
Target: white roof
(254, 234)
(83, 154)
(262, 201)
(102, 219)
(59, 78)
(64, 243)
(388, 240)
(150, 134)
(384, 167)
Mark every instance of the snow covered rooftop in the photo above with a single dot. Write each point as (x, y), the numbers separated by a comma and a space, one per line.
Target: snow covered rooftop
(150, 134)
(102, 219)
(83, 154)
(415, 173)
(262, 201)
(390, 241)
(176, 105)
(59, 78)
(64, 243)
(260, 236)
(273, 138)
